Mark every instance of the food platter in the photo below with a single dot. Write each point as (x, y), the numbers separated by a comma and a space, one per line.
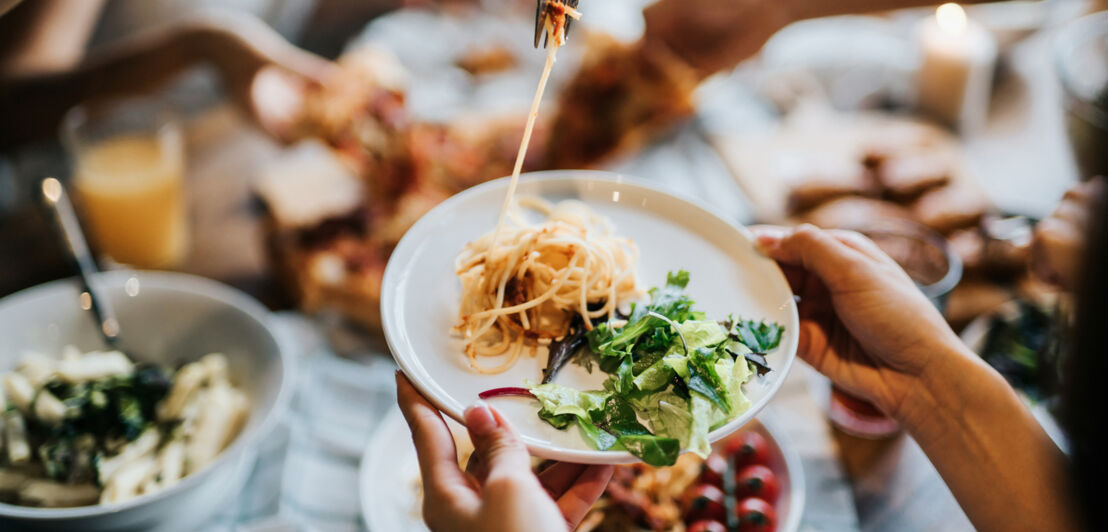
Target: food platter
(421, 291)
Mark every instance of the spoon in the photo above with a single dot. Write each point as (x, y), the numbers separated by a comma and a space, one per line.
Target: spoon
(69, 229)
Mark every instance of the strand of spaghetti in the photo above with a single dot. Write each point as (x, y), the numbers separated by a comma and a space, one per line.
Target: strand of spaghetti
(532, 303)
(551, 54)
(507, 364)
(497, 309)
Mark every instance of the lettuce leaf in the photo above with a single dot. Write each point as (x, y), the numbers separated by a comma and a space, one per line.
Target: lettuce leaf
(558, 400)
(702, 415)
(699, 333)
(618, 417)
(654, 450)
(669, 301)
(654, 378)
(599, 439)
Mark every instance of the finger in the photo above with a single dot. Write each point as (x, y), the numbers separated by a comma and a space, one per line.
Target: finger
(812, 344)
(277, 101)
(796, 276)
(577, 500)
(559, 477)
(861, 244)
(767, 236)
(443, 481)
(814, 249)
(477, 468)
(501, 449)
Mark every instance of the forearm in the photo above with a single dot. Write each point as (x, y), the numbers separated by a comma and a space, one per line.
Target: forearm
(33, 106)
(1006, 473)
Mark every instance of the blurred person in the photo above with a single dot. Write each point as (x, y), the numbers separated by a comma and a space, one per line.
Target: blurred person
(44, 70)
(866, 326)
(46, 66)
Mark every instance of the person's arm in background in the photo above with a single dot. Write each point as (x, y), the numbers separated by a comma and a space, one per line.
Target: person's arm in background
(45, 36)
(240, 47)
(865, 325)
(713, 35)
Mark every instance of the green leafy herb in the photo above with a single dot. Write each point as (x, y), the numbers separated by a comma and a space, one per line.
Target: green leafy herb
(759, 336)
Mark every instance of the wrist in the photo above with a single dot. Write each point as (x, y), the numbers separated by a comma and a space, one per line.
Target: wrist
(946, 389)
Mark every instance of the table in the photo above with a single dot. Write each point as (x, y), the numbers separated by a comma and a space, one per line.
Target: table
(1021, 159)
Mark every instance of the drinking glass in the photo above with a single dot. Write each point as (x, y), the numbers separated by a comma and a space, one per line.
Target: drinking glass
(128, 169)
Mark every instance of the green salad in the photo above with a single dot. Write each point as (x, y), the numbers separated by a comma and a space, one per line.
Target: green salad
(673, 376)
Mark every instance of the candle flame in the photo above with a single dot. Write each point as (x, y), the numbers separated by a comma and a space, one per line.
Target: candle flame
(951, 18)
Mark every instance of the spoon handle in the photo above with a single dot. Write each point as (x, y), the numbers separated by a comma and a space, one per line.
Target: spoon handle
(57, 201)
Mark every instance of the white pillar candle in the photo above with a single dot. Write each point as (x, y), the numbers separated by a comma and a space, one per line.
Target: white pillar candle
(956, 75)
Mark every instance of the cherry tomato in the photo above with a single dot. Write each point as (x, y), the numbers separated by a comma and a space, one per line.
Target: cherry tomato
(703, 501)
(706, 525)
(748, 448)
(757, 481)
(756, 515)
(713, 469)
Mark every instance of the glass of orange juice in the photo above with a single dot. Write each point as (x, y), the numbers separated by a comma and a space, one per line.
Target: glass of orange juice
(128, 171)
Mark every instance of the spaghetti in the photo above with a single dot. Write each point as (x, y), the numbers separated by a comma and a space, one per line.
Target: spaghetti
(527, 289)
(524, 284)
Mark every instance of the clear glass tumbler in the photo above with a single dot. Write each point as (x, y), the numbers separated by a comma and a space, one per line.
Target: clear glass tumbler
(128, 170)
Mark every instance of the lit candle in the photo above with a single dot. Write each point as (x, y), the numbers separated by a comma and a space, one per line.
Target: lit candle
(956, 76)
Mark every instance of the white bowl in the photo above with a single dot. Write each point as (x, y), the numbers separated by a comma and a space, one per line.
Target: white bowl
(166, 318)
(419, 299)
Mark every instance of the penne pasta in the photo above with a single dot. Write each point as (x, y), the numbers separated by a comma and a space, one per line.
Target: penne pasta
(94, 366)
(215, 365)
(220, 417)
(11, 480)
(171, 463)
(15, 439)
(37, 368)
(48, 493)
(48, 409)
(19, 390)
(188, 380)
(126, 483)
(145, 444)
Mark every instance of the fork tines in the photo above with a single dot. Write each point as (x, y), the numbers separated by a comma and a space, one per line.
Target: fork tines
(540, 26)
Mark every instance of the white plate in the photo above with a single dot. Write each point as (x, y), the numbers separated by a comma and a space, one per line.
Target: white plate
(419, 301)
(389, 476)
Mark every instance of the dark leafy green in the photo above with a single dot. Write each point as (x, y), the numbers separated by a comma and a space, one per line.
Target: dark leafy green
(758, 361)
(618, 417)
(669, 301)
(562, 350)
(759, 336)
(115, 408)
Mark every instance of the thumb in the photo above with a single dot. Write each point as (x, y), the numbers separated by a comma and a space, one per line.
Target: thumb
(500, 449)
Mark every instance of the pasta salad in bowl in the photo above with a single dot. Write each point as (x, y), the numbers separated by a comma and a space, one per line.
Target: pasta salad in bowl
(95, 427)
(155, 439)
